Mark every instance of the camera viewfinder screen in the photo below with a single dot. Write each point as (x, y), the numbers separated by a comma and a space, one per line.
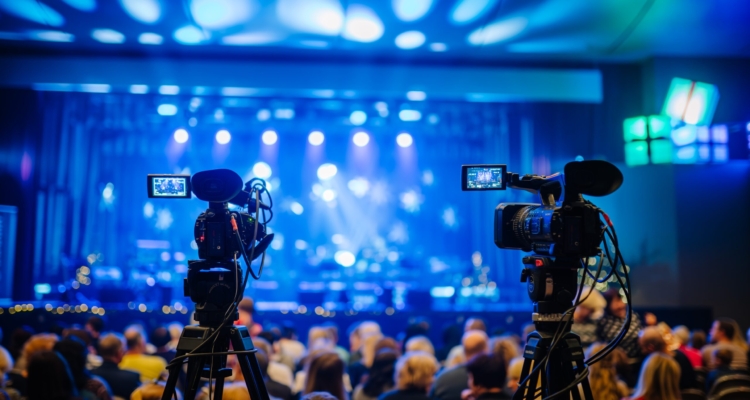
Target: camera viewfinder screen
(170, 187)
(485, 178)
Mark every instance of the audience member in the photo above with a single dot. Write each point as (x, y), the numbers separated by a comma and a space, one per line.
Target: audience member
(318, 396)
(698, 339)
(334, 332)
(291, 350)
(357, 332)
(605, 385)
(319, 337)
(74, 351)
(456, 356)
(95, 326)
(682, 336)
(725, 335)
(6, 360)
(415, 373)
(388, 343)
(651, 340)
(417, 327)
(277, 372)
(513, 376)
(486, 378)
(92, 359)
(380, 378)
(420, 343)
(149, 391)
(722, 360)
(18, 339)
(300, 378)
(161, 338)
(361, 368)
(246, 310)
(659, 379)
(136, 359)
(451, 338)
(49, 377)
(175, 331)
(451, 382)
(609, 326)
(586, 315)
(275, 388)
(505, 347)
(17, 377)
(121, 382)
(323, 373)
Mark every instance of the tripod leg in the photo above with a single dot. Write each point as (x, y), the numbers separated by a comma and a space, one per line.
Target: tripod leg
(174, 373)
(195, 366)
(219, 388)
(256, 387)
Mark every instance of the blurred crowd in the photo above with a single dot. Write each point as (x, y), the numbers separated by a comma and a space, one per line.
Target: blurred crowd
(653, 361)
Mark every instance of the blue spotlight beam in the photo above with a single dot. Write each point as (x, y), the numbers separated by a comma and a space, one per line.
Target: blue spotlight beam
(457, 83)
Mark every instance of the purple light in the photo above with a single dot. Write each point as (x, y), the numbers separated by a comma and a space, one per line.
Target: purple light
(719, 134)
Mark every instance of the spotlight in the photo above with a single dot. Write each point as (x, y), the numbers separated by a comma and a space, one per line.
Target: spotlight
(167, 109)
(404, 139)
(181, 136)
(409, 115)
(223, 136)
(316, 138)
(269, 137)
(358, 117)
(327, 171)
(416, 95)
(297, 208)
(262, 170)
(361, 139)
(344, 258)
(329, 195)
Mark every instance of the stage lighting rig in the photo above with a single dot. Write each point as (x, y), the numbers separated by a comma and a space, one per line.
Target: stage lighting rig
(563, 233)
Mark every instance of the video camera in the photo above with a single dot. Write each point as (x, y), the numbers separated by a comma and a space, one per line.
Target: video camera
(222, 235)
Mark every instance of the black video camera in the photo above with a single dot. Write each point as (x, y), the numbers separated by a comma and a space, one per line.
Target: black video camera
(564, 224)
(222, 235)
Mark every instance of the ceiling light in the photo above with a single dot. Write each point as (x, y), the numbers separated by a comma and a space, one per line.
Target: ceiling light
(362, 24)
(497, 31)
(34, 11)
(190, 35)
(438, 47)
(150, 38)
(316, 138)
(410, 40)
(361, 139)
(411, 10)
(358, 117)
(51, 36)
(322, 17)
(222, 14)
(145, 11)
(467, 11)
(223, 137)
(108, 36)
(416, 95)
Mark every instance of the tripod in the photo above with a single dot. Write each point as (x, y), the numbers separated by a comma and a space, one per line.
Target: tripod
(549, 285)
(203, 365)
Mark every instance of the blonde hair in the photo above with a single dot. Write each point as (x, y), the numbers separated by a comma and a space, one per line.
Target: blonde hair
(659, 379)
(415, 370)
(419, 343)
(148, 391)
(319, 337)
(594, 302)
(603, 375)
(505, 347)
(368, 348)
(35, 344)
(737, 338)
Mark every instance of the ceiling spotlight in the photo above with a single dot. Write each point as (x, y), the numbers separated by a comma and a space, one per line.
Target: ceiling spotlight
(316, 138)
(269, 137)
(410, 40)
(404, 139)
(223, 136)
(327, 171)
(361, 139)
(181, 136)
(262, 170)
(358, 117)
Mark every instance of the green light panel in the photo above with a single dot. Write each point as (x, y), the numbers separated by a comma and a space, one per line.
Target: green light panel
(636, 153)
(661, 151)
(659, 126)
(634, 129)
(692, 104)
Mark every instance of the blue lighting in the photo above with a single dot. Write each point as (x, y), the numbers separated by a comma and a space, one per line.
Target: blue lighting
(150, 38)
(467, 11)
(223, 137)
(719, 134)
(409, 115)
(108, 36)
(497, 32)
(328, 195)
(327, 171)
(361, 139)
(362, 24)
(181, 136)
(222, 14)
(145, 11)
(190, 35)
(269, 137)
(344, 258)
(684, 135)
(95, 88)
(410, 40)
(438, 47)
(322, 17)
(169, 89)
(404, 139)
(263, 114)
(411, 10)
(42, 288)
(139, 89)
(359, 186)
(358, 118)
(686, 155)
(416, 95)
(296, 208)
(251, 39)
(721, 153)
(703, 134)
(238, 91)
(32, 10)
(316, 138)
(442, 291)
(51, 36)
(82, 5)
(167, 109)
(262, 170)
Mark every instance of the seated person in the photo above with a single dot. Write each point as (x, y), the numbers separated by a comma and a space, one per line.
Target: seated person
(486, 378)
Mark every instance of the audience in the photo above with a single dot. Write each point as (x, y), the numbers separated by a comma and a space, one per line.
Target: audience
(651, 340)
(357, 333)
(322, 373)
(415, 372)
(698, 339)
(17, 377)
(451, 338)
(160, 338)
(291, 350)
(451, 382)
(725, 334)
(586, 315)
(420, 343)
(49, 377)
(603, 379)
(135, 359)
(246, 309)
(659, 379)
(277, 372)
(362, 367)
(513, 376)
(505, 347)
(95, 326)
(73, 350)
(380, 378)
(456, 356)
(486, 378)
(722, 360)
(149, 391)
(121, 382)
(275, 389)
(682, 336)
(334, 333)
(608, 327)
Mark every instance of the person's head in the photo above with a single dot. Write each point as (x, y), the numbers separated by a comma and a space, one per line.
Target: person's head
(318, 396)
(722, 357)
(603, 374)
(592, 306)
(246, 309)
(527, 329)
(35, 344)
(325, 374)
(452, 335)
(288, 331)
(18, 339)
(135, 342)
(175, 330)
(681, 334)
(359, 331)
(74, 351)
(49, 377)
(270, 337)
(263, 345)
(722, 330)
(659, 378)
(95, 326)
(415, 371)
(368, 348)
(505, 347)
(513, 375)
(111, 348)
(381, 373)
(160, 337)
(333, 331)
(148, 391)
(419, 343)
(615, 305)
(475, 324)
(387, 343)
(474, 342)
(651, 340)
(697, 339)
(319, 337)
(486, 373)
